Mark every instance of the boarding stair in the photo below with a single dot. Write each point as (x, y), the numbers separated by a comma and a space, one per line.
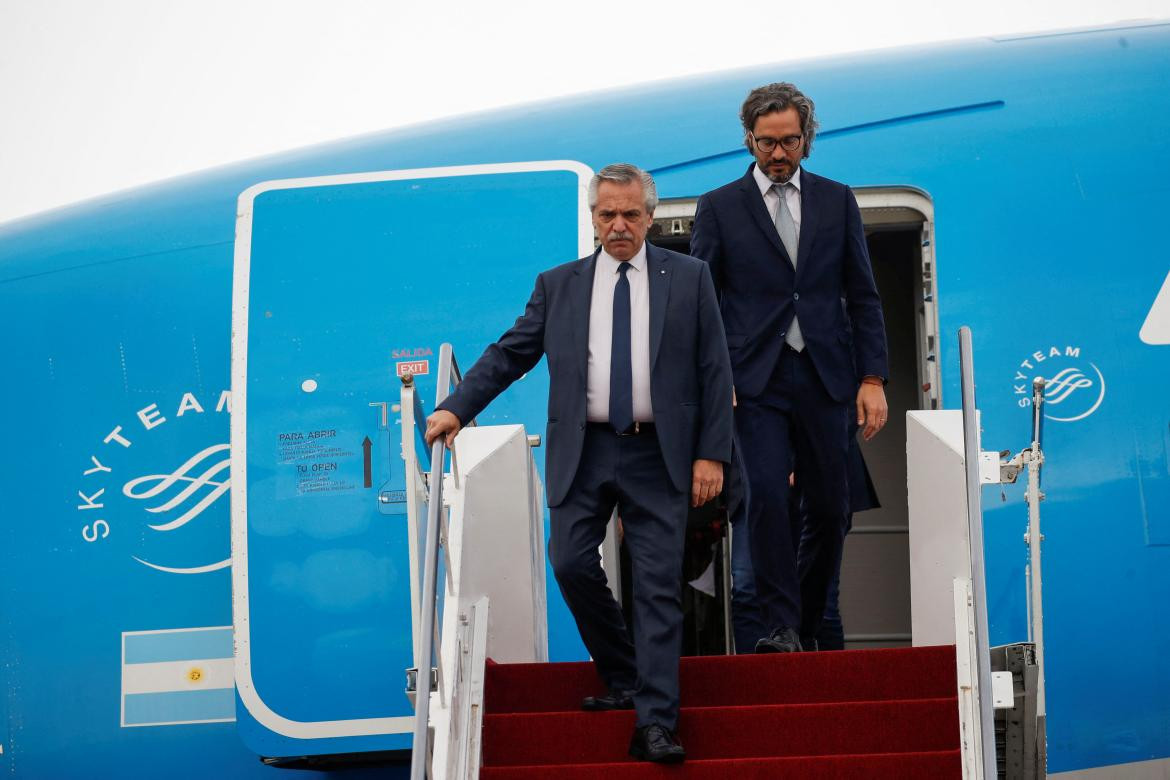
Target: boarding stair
(493, 707)
(889, 713)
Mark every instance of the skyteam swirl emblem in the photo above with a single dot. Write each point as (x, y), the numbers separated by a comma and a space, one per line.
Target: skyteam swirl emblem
(187, 491)
(1075, 386)
(1070, 388)
(180, 490)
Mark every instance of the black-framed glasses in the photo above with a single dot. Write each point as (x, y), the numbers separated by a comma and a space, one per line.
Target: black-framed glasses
(789, 143)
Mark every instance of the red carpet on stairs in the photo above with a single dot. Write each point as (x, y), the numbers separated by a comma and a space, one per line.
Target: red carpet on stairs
(852, 714)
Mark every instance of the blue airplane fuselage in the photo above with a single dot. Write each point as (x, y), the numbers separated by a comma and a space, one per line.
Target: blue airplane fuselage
(1045, 159)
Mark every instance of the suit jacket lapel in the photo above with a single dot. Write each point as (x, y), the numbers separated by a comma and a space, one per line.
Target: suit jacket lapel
(658, 281)
(809, 211)
(755, 206)
(581, 296)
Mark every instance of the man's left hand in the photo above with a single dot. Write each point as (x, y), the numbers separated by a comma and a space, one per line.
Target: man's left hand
(706, 481)
(871, 409)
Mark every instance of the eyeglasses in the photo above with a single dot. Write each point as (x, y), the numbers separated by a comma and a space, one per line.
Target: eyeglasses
(789, 143)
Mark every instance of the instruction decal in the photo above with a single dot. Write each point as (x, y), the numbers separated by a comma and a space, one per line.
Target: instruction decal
(322, 463)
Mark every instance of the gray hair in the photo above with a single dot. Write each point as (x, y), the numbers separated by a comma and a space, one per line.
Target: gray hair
(779, 97)
(624, 173)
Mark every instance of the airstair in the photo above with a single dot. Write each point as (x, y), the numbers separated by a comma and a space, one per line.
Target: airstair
(482, 583)
(492, 707)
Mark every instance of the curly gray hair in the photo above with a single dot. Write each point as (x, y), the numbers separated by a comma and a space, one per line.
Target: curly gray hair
(779, 97)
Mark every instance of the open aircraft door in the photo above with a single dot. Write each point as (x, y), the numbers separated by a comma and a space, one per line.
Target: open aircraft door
(342, 284)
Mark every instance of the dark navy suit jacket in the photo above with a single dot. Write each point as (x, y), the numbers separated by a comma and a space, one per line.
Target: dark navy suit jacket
(760, 293)
(690, 375)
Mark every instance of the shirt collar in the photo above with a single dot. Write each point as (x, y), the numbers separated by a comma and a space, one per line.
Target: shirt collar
(765, 184)
(638, 260)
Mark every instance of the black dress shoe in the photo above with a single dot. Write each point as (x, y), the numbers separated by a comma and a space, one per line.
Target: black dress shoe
(782, 640)
(656, 743)
(611, 701)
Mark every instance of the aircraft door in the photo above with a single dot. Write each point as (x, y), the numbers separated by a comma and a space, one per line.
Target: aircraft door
(342, 284)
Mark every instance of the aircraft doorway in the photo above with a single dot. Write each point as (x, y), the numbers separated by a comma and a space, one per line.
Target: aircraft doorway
(875, 573)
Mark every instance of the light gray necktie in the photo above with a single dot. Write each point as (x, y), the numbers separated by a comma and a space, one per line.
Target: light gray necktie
(786, 227)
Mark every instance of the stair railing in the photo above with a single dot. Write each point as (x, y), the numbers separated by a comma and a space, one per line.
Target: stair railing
(427, 644)
(413, 431)
(1033, 455)
(1031, 459)
(978, 593)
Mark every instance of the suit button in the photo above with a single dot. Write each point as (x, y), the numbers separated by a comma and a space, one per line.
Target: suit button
(783, 333)
(582, 426)
(796, 296)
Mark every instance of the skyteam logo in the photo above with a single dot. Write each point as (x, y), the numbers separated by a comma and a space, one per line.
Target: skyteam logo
(1075, 386)
(164, 498)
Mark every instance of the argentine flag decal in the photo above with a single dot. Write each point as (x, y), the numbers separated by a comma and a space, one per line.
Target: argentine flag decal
(176, 676)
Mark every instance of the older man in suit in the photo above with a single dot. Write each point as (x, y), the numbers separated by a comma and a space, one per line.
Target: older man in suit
(804, 328)
(639, 417)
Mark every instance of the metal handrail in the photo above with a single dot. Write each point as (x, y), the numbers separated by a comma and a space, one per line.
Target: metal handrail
(1035, 537)
(428, 601)
(420, 419)
(971, 449)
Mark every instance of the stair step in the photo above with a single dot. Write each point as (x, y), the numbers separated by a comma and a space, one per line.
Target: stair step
(929, 765)
(741, 680)
(760, 731)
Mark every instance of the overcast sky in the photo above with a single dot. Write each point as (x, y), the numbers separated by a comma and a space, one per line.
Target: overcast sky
(101, 95)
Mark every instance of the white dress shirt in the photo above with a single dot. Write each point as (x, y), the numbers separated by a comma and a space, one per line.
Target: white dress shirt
(605, 279)
(772, 200)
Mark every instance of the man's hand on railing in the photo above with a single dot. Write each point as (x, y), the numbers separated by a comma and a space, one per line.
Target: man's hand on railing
(442, 423)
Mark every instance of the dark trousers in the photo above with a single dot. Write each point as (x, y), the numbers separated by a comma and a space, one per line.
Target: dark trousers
(831, 635)
(747, 621)
(626, 472)
(794, 425)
